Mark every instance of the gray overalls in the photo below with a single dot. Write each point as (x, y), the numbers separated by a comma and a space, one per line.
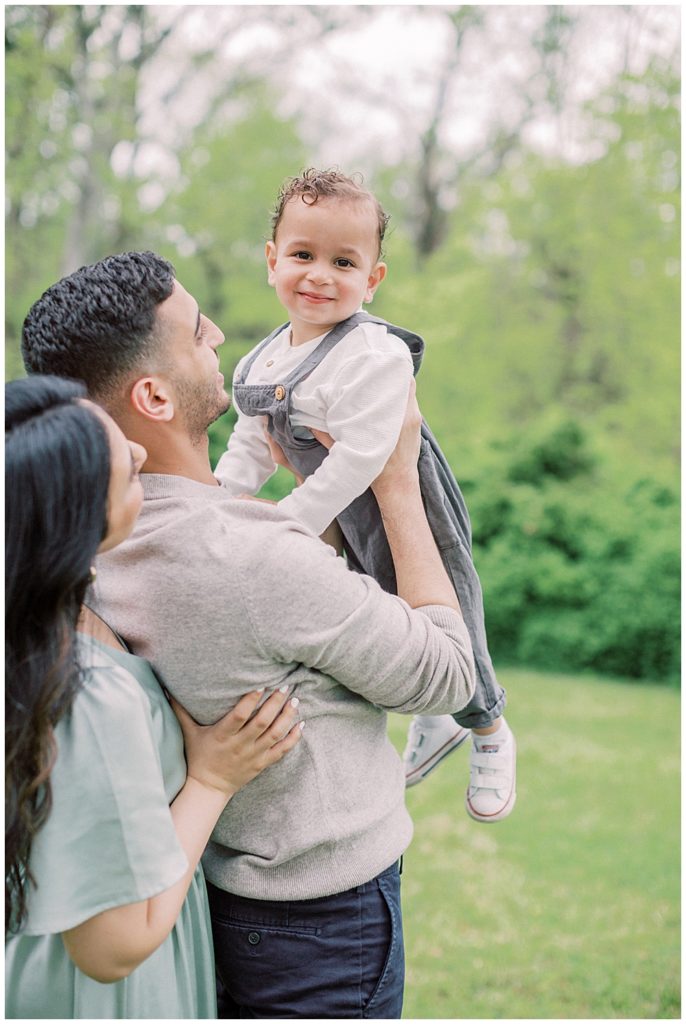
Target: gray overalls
(366, 546)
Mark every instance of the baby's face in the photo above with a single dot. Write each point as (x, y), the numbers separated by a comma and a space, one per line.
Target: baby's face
(324, 263)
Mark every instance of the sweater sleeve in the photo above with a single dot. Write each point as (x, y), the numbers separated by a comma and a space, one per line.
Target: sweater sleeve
(364, 416)
(247, 463)
(315, 611)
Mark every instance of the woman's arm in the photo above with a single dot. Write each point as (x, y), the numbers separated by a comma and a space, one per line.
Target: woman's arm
(221, 759)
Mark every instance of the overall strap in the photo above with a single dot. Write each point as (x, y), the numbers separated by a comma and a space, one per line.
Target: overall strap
(337, 333)
(256, 351)
(414, 342)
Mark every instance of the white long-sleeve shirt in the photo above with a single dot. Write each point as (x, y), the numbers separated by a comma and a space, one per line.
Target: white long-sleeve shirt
(357, 394)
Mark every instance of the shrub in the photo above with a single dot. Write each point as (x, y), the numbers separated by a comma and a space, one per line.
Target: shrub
(577, 572)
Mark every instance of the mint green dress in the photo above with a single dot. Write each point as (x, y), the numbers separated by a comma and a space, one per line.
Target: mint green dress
(109, 841)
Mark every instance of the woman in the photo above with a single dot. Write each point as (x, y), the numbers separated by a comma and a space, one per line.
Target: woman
(105, 898)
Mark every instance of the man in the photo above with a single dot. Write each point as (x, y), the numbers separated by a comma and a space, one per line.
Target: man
(224, 596)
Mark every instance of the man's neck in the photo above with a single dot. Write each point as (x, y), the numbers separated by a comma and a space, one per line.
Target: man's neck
(186, 460)
(171, 451)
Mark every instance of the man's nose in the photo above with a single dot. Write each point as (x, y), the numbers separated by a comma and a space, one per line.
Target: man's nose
(215, 337)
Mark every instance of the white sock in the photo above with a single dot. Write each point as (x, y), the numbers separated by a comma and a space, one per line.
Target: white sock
(492, 739)
(432, 721)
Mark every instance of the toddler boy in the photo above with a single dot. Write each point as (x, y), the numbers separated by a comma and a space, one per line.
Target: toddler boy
(338, 369)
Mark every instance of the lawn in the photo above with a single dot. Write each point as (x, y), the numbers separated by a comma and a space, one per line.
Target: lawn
(570, 908)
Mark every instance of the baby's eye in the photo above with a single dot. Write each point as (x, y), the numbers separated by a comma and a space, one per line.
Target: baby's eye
(302, 255)
(343, 262)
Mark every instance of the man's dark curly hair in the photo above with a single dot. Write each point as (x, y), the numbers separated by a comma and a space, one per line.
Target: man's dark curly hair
(98, 324)
(313, 184)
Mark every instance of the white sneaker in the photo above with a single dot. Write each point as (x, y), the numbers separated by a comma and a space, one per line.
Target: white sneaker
(430, 739)
(492, 794)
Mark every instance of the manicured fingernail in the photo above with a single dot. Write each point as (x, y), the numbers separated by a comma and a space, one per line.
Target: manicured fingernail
(284, 689)
(261, 690)
(294, 702)
(301, 726)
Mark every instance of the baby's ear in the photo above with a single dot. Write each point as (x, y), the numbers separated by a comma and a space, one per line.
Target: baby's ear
(270, 256)
(374, 280)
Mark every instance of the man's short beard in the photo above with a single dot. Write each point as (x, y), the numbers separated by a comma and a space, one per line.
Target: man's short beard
(199, 407)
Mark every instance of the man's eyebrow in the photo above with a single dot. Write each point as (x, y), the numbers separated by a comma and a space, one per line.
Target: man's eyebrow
(197, 325)
(133, 464)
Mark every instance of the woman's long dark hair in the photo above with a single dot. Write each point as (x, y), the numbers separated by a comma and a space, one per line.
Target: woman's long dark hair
(57, 469)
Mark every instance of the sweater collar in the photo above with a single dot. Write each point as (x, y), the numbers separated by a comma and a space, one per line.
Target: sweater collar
(164, 485)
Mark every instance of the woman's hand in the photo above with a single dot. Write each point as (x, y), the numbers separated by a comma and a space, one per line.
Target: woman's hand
(227, 755)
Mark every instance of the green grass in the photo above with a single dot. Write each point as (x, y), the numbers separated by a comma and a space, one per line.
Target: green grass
(569, 908)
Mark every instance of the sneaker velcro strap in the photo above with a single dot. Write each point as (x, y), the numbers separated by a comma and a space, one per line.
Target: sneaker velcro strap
(496, 762)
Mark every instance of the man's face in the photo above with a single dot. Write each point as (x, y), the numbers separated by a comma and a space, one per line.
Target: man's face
(189, 341)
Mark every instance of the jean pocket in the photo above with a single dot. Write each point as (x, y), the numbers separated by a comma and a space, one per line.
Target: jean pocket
(266, 970)
(257, 925)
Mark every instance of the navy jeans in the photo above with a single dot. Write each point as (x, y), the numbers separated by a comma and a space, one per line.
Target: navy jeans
(339, 956)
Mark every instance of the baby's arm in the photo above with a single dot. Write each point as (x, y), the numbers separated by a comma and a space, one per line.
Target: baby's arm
(369, 396)
(247, 462)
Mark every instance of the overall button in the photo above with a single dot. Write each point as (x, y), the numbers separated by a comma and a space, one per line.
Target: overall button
(253, 938)
(279, 392)
(270, 362)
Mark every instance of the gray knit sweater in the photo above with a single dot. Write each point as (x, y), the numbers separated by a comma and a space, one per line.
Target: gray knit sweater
(224, 596)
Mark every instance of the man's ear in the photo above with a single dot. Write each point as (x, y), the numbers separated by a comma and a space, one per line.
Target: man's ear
(374, 280)
(270, 255)
(152, 398)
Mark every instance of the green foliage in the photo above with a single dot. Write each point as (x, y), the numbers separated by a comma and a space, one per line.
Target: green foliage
(219, 215)
(73, 76)
(578, 571)
(558, 287)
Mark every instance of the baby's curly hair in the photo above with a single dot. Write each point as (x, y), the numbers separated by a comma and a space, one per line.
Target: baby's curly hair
(313, 184)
